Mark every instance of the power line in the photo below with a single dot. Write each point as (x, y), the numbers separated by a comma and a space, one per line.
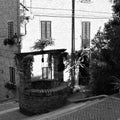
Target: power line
(60, 16)
(69, 10)
(69, 15)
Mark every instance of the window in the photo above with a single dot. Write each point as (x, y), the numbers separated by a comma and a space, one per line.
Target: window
(10, 29)
(111, 1)
(12, 74)
(85, 34)
(46, 73)
(45, 29)
(85, 1)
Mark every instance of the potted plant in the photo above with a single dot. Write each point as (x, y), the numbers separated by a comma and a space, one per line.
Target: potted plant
(10, 86)
(10, 41)
(42, 43)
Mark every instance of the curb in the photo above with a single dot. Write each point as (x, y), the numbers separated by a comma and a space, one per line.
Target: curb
(8, 100)
(86, 99)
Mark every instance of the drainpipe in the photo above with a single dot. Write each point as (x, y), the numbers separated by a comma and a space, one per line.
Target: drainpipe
(18, 25)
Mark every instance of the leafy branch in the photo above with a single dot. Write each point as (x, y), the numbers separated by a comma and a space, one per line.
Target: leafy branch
(42, 43)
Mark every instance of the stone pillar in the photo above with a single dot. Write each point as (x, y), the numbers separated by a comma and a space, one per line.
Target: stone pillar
(55, 57)
(58, 67)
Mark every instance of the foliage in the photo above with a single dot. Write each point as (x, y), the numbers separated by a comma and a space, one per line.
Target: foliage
(116, 82)
(9, 41)
(42, 43)
(10, 86)
(81, 61)
(27, 65)
(105, 56)
(62, 58)
(83, 64)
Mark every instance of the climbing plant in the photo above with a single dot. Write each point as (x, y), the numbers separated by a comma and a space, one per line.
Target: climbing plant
(27, 65)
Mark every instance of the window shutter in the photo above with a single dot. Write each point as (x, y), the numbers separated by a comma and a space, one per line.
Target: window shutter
(10, 29)
(85, 34)
(48, 29)
(12, 75)
(45, 29)
(85, 1)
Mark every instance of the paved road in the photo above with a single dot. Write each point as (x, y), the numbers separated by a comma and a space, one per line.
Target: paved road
(10, 111)
(99, 109)
(104, 109)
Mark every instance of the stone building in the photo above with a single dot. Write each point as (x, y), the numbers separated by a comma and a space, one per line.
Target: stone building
(9, 45)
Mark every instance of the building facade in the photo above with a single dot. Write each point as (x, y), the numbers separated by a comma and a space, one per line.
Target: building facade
(9, 45)
(45, 20)
(52, 19)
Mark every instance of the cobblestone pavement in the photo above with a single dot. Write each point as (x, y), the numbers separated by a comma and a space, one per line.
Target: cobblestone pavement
(107, 109)
(61, 111)
(10, 111)
(104, 109)
(100, 109)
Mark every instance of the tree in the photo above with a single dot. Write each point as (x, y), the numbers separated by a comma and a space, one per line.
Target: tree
(105, 65)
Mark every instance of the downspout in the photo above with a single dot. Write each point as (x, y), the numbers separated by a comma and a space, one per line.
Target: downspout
(25, 28)
(18, 26)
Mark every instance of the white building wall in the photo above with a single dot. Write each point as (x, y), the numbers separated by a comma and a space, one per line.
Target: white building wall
(61, 27)
(97, 12)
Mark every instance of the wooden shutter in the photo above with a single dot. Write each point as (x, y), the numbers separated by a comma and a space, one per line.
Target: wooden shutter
(85, 1)
(45, 29)
(10, 29)
(48, 29)
(85, 34)
(12, 75)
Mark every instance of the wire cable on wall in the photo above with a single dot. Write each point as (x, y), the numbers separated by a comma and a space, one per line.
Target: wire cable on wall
(60, 16)
(68, 10)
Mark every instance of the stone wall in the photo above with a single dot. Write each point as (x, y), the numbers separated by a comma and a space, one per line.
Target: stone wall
(9, 12)
(36, 101)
